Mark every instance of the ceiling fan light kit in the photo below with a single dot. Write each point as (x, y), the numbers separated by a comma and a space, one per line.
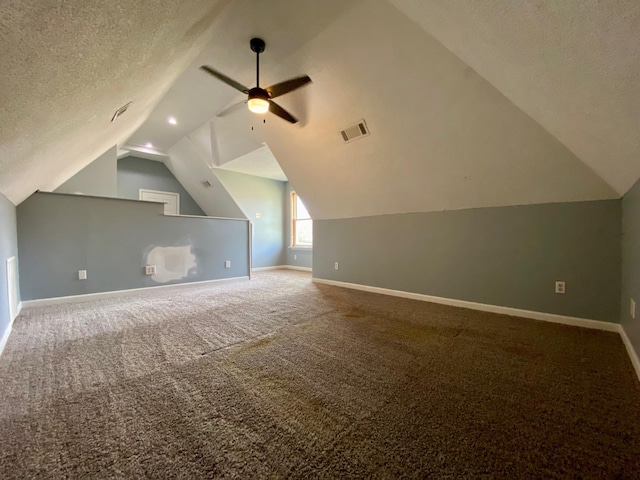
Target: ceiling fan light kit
(260, 100)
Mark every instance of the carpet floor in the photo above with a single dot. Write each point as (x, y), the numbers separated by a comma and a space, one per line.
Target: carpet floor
(279, 377)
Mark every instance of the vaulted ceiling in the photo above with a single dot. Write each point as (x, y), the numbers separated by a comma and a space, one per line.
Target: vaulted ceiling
(469, 103)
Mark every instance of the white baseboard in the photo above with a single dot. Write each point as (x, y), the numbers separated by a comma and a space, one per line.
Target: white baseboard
(546, 317)
(118, 293)
(5, 337)
(282, 267)
(517, 312)
(295, 267)
(633, 355)
(7, 332)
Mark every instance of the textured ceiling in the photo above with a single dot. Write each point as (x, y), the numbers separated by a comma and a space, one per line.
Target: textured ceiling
(442, 137)
(286, 25)
(572, 65)
(469, 103)
(68, 65)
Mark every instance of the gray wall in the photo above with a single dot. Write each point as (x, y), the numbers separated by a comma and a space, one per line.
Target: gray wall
(264, 196)
(98, 178)
(136, 173)
(631, 264)
(299, 257)
(509, 256)
(111, 238)
(8, 249)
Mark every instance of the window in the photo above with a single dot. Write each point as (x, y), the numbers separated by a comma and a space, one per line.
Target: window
(301, 224)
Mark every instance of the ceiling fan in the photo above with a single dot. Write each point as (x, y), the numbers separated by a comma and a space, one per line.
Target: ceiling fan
(260, 100)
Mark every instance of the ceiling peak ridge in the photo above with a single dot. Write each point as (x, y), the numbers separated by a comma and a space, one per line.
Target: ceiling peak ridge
(511, 101)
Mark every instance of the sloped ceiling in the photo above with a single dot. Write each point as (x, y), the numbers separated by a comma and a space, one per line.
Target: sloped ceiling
(67, 66)
(260, 162)
(573, 66)
(224, 149)
(286, 25)
(442, 137)
(192, 172)
(445, 133)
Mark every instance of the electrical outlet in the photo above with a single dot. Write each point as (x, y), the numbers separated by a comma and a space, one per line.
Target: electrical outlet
(560, 287)
(227, 264)
(336, 266)
(295, 257)
(632, 308)
(82, 274)
(258, 214)
(150, 270)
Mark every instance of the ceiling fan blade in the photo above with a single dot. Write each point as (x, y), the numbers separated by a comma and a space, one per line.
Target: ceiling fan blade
(287, 86)
(231, 108)
(281, 112)
(225, 79)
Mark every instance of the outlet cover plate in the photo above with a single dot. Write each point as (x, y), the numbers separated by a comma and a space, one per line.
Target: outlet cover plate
(560, 287)
(150, 270)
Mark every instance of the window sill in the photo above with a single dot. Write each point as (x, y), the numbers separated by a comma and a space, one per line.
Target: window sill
(301, 248)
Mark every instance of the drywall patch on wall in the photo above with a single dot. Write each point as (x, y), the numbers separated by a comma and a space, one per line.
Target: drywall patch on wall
(172, 263)
(111, 238)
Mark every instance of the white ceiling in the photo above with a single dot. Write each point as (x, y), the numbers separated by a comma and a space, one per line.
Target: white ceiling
(522, 102)
(286, 25)
(260, 162)
(442, 137)
(573, 66)
(67, 66)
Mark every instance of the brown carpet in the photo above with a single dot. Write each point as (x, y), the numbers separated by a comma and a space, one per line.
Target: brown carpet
(278, 377)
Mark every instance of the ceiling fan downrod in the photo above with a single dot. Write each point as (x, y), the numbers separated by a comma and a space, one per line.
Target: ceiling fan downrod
(257, 45)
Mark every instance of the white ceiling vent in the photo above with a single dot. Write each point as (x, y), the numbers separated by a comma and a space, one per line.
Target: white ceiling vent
(120, 111)
(354, 132)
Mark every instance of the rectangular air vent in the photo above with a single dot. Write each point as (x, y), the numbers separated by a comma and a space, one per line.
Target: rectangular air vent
(354, 132)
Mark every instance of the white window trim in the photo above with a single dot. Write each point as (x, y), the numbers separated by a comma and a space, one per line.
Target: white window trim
(292, 196)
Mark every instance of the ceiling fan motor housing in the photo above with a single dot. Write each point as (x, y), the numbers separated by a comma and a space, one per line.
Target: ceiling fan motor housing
(257, 92)
(258, 101)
